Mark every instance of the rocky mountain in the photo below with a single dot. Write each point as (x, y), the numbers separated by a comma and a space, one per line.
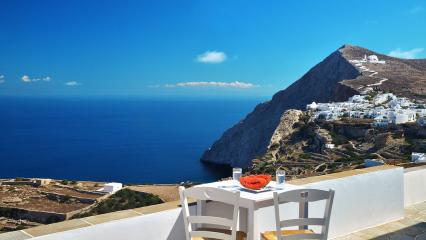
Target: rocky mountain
(339, 76)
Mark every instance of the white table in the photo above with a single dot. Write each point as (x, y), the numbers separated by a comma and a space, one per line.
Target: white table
(251, 201)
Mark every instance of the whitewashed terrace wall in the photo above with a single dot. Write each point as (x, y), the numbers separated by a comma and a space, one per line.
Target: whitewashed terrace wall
(414, 185)
(361, 201)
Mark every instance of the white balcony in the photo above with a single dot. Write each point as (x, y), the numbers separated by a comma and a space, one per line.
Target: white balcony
(364, 199)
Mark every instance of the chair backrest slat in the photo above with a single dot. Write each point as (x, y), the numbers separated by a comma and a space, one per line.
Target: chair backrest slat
(211, 194)
(302, 222)
(211, 220)
(303, 197)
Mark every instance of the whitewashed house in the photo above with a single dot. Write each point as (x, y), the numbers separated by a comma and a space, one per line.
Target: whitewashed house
(381, 123)
(401, 102)
(384, 108)
(421, 121)
(418, 157)
(312, 106)
(356, 114)
(402, 116)
(111, 187)
(375, 59)
(421, 112)
(357, 99)
(382, 98)
(373, 162)
(323, 106)
(329, 145)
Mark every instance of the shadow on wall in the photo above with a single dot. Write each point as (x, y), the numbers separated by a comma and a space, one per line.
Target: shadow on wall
(178, 230)
(416, 231)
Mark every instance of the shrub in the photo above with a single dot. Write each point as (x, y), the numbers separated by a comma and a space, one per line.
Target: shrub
(66, 198)
(275, 146)
(305, 155)
(122, 200)
(338, 139)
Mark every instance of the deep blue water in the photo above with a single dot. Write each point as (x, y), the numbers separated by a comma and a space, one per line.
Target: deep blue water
(131, 141)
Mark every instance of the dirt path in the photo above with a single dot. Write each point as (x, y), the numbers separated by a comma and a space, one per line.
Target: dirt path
(373, 74)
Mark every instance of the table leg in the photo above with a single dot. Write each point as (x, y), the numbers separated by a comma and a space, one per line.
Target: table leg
(252, 229)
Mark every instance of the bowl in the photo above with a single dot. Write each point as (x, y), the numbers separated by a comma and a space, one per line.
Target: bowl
(255, 182)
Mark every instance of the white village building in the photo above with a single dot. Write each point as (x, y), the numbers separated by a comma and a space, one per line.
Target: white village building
(384, 109)
(312, 106)
(421, 121)
(375, 59)
(418, 157)
(329, 145)
(373, 162)
(111, 187)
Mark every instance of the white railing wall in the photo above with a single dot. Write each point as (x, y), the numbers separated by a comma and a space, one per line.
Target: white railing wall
(361, 201)
(414, 185)
(165, 225)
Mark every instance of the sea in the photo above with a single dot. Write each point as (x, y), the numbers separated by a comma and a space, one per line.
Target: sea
(128, 140)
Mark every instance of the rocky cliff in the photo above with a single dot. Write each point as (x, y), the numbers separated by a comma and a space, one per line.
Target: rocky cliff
(336, 78)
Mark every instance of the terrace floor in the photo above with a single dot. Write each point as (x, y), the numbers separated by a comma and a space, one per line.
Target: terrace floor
(413, 226)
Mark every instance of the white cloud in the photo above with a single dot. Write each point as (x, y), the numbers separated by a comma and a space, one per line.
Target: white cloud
(212, 57)
(409, 54)
(2, 80)
(27, 79)
(235, 84)
(416, 9)
(72, 83)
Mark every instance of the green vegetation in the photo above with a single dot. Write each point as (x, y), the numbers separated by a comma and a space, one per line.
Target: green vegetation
(398, 135)
(122, 200)
(305, 155)
(321, 117)
(338, 139)
(371, 95)
(274, 146)
(64, 182)
(66, 198)
(371, 156)
(339, 160)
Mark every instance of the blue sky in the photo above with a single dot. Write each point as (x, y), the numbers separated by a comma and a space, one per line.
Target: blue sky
(189, 48)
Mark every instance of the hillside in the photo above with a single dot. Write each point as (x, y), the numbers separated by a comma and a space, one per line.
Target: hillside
(336, 78)
(304, 150)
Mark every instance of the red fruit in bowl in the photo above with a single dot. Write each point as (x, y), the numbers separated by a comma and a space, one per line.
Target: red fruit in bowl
(255, 182)
(266, 177)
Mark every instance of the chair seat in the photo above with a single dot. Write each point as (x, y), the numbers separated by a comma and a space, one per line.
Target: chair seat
(240, 235)
(272, 235)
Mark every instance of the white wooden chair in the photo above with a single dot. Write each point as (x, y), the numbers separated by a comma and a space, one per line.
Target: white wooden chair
(228, 230)
(303, 197)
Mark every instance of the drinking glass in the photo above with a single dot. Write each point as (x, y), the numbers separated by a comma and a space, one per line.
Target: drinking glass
(280, 178)
(236, 175)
